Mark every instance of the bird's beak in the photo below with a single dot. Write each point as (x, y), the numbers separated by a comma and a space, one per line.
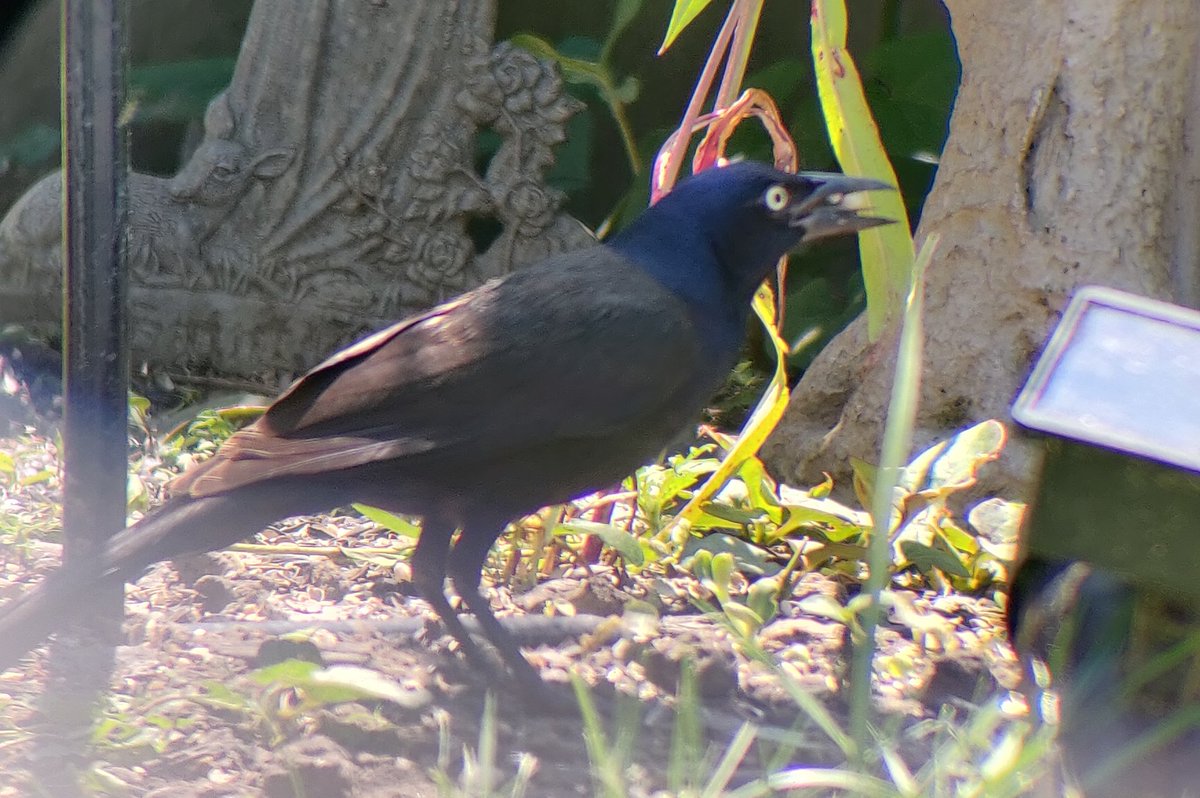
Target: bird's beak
(831, 209)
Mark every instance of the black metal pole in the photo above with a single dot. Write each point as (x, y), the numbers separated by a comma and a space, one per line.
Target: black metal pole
(96, 370)
(96, 379)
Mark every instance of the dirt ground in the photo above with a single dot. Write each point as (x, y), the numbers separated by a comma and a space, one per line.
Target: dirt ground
(184, 716)
(165, 731)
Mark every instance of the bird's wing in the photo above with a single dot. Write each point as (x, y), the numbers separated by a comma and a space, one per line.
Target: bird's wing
(581, 346)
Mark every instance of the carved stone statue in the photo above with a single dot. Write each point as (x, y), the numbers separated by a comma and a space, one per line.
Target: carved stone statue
(331, 193)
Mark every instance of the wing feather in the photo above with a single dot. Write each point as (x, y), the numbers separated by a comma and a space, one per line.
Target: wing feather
(580, 346)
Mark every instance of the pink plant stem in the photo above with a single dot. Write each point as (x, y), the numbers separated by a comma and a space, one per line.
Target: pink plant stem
(747, 13)
(666, 166)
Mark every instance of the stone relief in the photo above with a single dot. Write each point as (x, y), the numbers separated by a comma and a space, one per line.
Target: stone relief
(331, 193)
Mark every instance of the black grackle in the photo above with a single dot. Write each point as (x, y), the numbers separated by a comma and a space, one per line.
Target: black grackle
(528, 391)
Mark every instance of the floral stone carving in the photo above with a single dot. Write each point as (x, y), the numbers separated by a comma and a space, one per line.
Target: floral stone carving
(331, 193)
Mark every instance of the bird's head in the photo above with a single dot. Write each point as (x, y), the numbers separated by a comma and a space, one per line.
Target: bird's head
(750, 215)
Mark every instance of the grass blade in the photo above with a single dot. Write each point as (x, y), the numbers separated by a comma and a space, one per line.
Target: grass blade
(897, 439)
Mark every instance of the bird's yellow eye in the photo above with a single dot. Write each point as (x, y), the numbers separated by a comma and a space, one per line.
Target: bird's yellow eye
(776, 198)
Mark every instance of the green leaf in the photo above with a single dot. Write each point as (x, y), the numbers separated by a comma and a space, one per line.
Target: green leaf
(735, 516)
(723, 517)
(952, 465)
(701, 565)
(811, 522)
(681, 16)
(750, 559)
(823, 490)
(351, 683)
(338, 684)
(617, 539)
(289, 673)
(927, 558)
(865, 476)
(382, 557)
(45, 475)
(822, 606)
(574, 69)
(136, 495)
(763, 598)
(745, 620)
(394, 523)
(237, 415)
(722, 575)
(660, 486)
(218, 696)
(957, 537)
(759, 486)
(887, 252)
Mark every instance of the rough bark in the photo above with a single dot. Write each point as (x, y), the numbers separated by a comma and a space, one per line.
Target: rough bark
(1071, 160)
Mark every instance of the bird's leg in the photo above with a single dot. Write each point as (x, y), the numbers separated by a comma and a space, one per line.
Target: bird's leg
(465, 569)
(429, 576)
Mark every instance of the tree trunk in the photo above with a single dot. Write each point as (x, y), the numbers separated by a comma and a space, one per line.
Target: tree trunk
(1070, 161)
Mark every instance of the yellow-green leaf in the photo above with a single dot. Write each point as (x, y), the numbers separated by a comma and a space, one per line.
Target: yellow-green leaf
(958, 537)
(823, 490)
(614, 537)
(864, 477)
(681, 16)
(887, 251)
(763, 598)
(926, 558)
(745, 620)
(762, 421)
(395, 523)
(722, 574)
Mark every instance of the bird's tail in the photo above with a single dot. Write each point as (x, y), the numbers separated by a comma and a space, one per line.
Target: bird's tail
(180, 527)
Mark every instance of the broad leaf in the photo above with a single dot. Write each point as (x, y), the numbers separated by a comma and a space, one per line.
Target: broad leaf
(927, 558)
(887, 251)
(394, 523)
(749, 559)
(617, 539)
